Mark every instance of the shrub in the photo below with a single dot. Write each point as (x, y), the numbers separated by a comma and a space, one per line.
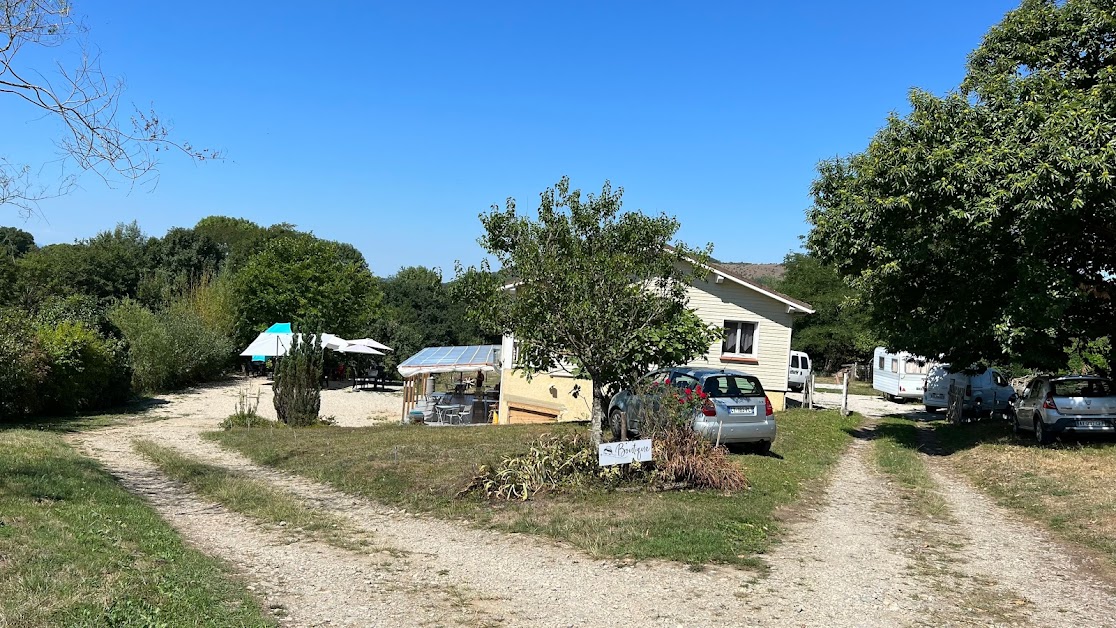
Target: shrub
(22, 367)
(298, 382)
(171, 348)
(83, 371)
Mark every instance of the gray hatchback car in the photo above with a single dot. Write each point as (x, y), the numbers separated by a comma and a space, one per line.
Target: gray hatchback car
(1076, 403)
(737, 409)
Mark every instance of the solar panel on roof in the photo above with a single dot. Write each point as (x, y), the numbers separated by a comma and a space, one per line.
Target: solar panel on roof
(449, 359)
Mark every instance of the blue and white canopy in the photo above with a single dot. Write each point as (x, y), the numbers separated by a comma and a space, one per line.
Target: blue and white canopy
(276, 341)
(452, 360)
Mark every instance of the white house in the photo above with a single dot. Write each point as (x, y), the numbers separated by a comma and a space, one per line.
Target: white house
(757, 322)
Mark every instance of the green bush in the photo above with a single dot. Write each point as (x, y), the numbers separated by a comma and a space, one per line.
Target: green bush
(171, 348)
(298, 382)
(84, 370)
(22, 367)
(58, 367)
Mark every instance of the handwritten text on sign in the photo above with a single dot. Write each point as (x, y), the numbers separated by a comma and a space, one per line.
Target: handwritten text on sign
(624, 452)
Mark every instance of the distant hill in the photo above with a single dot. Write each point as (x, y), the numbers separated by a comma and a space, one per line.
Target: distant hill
(762, 273)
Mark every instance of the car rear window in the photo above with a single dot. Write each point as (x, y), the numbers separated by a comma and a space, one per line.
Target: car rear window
(1082, 388)
(732, 386)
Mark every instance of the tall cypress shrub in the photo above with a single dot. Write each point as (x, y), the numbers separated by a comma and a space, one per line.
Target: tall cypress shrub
(298, 382)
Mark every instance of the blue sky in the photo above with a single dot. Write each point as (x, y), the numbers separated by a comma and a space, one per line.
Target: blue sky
(392, 125)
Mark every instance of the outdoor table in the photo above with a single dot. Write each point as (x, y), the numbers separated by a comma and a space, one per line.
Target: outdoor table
(442, 411)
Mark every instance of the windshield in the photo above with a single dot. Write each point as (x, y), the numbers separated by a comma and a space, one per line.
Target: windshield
(732, 386)
(1082, 388)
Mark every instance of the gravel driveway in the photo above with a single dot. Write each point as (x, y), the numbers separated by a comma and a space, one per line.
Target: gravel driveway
(856, 557)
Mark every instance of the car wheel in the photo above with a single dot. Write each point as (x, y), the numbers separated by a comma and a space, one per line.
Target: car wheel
(1042, 435)
(762, 448)
(615, 419)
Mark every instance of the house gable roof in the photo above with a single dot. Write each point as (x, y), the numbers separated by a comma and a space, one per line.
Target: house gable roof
(793, 304)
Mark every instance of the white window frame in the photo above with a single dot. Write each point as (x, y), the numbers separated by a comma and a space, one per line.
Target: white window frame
(755, 340)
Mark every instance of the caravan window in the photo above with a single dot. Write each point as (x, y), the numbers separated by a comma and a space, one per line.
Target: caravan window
(881, 363)
(894, 365)
(912, 367)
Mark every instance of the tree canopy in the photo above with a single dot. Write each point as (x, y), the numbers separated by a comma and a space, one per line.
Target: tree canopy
(307, 280)
(599, 288)
(838, 332)
(980, 225)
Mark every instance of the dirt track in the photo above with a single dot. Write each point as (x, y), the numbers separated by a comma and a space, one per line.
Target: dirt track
(860, 557)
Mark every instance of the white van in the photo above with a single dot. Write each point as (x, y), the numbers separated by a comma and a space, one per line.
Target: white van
(986, 391)
(799, 371)
(899, 375)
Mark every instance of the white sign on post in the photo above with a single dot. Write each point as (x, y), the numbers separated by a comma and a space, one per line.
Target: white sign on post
(624, 452)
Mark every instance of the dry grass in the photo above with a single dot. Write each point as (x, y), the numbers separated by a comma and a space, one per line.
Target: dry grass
(1070, 487)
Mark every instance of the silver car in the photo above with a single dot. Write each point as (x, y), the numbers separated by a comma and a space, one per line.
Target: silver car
(736, 410)
(1080, 404)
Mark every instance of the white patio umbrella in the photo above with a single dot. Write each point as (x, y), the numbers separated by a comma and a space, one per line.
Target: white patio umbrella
(276, 341)
(368, 342)
(355, 348)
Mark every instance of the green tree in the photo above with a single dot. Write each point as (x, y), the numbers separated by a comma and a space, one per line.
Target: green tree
(107, 265)
(419, 310)
(839, 331)
(239, 239)
(979, 225)
(15, 242)
(304, 279)
(602, 289)
(298, 382)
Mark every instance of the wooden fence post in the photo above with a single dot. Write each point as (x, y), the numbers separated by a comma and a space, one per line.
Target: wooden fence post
(845, 395)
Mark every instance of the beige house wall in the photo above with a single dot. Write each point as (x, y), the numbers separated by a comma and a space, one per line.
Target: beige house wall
(716, 303)
(552, 392)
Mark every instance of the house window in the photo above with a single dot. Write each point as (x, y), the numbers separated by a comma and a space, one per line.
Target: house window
(740, 339)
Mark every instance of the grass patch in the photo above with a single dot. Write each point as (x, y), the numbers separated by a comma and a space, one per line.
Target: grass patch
(76, 549)
(421, 469)
(896, 450)
(1068, 487)
(254, 498)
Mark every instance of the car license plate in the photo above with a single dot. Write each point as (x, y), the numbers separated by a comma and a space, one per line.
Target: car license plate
(745, 410)
(1092, 423)
(937, 395)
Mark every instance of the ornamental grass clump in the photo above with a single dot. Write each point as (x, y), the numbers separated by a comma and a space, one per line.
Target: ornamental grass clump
(681, 455)
(298, 382)
(246, 414)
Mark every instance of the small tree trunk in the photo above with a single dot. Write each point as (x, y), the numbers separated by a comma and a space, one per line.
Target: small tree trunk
(598, 416)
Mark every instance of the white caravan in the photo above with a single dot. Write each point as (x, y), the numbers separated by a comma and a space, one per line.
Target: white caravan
(899, 375)
(798, 373)
(986, 391)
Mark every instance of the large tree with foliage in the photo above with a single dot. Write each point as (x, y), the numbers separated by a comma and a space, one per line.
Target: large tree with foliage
(980, 225)
(419, 310)
(602, 289)
(302, 278)
(839, 331)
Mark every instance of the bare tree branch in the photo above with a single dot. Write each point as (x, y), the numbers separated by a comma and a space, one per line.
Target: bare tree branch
(95, 137)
